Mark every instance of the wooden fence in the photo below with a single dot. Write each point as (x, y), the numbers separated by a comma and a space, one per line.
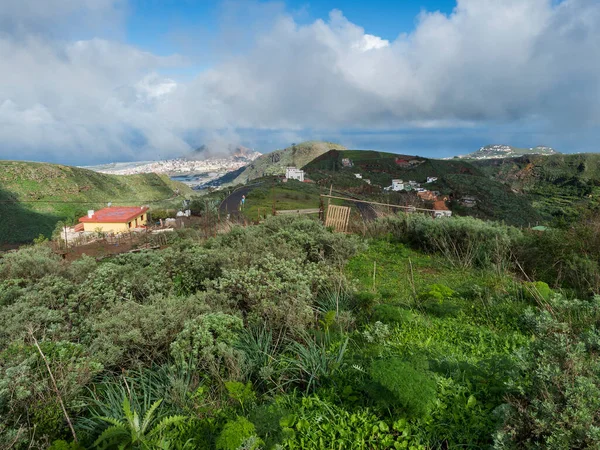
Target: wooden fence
(337, 218)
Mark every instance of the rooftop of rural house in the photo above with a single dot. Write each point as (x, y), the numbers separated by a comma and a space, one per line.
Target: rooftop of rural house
(115, 214)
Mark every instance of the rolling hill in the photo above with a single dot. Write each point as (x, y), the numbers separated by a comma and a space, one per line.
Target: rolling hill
(275, 163)
(456, 178)
(35, 196)
(561, 187)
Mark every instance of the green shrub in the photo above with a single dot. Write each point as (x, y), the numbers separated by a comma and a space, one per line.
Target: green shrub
(208, 342)
(556, 398)
(158, 214)
(31, 263)
(27, 391)
(364, 302)
(266, 418)
(536, 291)
(130, 333)
(277, 292)
(241, 393)
(315, 423)
(464, 241)
(412, 388)
(64, 445)
(234, 433)
(436, 293)
(391, 314)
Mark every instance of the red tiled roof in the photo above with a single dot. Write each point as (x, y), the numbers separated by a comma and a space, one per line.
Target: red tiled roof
(440, 206)
(115, 214)
(78, 227)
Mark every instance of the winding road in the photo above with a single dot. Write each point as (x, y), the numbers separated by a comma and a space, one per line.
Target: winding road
(231, 204)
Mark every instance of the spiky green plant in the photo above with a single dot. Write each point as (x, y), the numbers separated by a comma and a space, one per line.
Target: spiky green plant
(311, 363)
(133, 433)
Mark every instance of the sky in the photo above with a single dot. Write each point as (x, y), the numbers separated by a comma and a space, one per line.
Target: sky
(93, 81)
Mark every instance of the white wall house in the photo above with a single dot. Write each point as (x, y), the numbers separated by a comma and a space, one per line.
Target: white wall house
(358, 175)
(291, 173)
(397, 185)
(442, 213)
(431, 179)
(441, 210)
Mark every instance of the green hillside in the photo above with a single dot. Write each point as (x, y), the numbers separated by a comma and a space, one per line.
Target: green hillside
(561, 187)
(35, 196)
(456, 178)
(275, 163)
(381, 168)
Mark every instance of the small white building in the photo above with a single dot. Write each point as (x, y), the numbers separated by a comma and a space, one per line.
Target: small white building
(367, 181)
(431, 179)
(358, 175)
(441, 210)
(397, 185)
(413, 183)
(291, 173)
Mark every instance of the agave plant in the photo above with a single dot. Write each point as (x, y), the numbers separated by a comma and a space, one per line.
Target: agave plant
(133, 433)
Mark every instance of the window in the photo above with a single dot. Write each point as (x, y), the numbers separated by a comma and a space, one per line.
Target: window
(129, 224)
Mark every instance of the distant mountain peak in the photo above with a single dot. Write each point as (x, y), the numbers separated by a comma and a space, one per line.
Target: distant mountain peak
(235, 152)
(496, 151)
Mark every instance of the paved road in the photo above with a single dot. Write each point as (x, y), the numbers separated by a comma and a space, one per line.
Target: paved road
(231, 204)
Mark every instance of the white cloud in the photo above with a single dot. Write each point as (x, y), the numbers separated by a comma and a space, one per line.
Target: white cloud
(529, 63)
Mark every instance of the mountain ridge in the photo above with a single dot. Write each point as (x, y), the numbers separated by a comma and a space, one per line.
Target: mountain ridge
(499, 151)
(274, 163)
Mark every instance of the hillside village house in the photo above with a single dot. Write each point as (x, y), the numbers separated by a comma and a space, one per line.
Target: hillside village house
(397, 185)
(115, 219)
(426, 195)
(431, 179)
(440, 209)
(291, 173)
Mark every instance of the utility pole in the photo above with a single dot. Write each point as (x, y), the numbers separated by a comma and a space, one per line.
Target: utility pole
(66, 241)
(273, 196)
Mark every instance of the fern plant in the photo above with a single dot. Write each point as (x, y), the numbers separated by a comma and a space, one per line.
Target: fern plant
(133, 433)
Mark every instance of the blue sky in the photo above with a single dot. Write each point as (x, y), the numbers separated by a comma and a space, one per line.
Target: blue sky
(151, 24)
(94, 81)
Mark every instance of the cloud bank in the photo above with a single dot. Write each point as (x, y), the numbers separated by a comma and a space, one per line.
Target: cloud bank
(517, 66)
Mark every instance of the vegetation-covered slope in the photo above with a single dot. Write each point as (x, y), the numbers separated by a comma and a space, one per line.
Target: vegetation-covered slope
(381, 167)
(35, 196)
(456, 179)
(275, 163)
(561, 187)
(286, 335)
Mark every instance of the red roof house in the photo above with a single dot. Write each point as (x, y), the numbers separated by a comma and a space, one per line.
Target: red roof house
(115, 219)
